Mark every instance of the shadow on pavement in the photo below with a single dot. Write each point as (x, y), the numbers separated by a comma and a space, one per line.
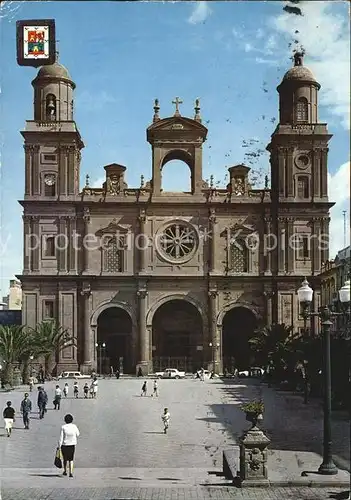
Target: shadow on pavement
(46, 475)
(288, 422)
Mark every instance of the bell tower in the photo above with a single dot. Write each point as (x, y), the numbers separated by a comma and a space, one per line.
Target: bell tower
(52, 140)
(299, 145)
(177, 138)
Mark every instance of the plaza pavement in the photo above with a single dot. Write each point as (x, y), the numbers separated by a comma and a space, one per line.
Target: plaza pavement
(123, 453)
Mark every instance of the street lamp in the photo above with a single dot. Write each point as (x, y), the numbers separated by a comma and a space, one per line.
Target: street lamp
(100, 347)
(305, 296)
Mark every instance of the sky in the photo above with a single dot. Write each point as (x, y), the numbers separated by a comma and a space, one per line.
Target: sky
(123, 55)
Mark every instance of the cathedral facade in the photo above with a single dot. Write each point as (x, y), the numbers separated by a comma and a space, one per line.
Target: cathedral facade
(153, 279)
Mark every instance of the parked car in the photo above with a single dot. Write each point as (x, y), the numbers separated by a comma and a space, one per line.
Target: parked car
(254, 371)
(75, 375)
(170, 373)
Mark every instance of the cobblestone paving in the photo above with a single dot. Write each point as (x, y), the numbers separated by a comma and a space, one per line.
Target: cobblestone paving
(121, 437)
(152, 493)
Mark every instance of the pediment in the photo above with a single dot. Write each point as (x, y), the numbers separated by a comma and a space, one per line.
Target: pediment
(240, 230)
(113, 228)
(176, 124)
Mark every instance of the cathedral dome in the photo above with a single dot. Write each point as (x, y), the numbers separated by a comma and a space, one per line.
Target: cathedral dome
(299, 73)
(55, 70)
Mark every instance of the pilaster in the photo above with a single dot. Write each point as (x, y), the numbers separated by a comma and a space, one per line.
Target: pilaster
(213, 240)
(142, 236)
(26, 243)
(36, 243)
(84, 247)
(87, 348)
(215, 348)
(144, 351)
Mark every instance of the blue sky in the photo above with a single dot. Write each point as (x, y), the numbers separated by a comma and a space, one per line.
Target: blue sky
(231, 55)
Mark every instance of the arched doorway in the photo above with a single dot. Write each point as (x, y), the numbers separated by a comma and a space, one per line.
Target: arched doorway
(238, 327)
(177, 337)
(114, 339)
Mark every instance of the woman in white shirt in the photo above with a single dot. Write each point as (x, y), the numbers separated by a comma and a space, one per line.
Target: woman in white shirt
(67, 443)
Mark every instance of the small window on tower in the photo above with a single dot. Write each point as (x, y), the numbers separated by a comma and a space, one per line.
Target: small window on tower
(302, 110)
(303, 247)
(48, 311)
(303, 187)
(49, 246)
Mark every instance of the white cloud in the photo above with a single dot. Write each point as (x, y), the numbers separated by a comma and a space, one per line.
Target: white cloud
(339, 192)
(98, 183)
(325, 37)
(200, 13)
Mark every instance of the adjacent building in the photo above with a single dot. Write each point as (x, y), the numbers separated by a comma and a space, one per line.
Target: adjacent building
(148, 278)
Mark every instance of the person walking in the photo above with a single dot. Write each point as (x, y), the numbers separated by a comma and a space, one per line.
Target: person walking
(67, 443)
(155, 393)
(42, 402)
(31, 383)
(86, 390)
(26, 408)
(94, 386)
(41, 376)
(9, 417)
(76, 389)
(65, 390)
(165, 418)
(57, 398)
(144, 389)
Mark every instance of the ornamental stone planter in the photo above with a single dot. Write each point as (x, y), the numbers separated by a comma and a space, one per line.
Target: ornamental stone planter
(253, 454)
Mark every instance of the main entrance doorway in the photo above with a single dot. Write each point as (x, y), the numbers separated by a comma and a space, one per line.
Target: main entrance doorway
(114, 339)
(238, 327)
(177, 337)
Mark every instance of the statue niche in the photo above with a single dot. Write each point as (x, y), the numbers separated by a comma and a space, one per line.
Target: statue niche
(115, 183)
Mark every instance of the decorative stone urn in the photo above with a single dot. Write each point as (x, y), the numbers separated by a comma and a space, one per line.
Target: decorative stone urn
(253, 453)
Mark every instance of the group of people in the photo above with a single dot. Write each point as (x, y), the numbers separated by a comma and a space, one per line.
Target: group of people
(144, 389)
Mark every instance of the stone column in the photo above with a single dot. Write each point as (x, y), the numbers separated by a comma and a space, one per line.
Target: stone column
(142, 238)
(316, 168)
(317, 241)
(63, 170)
(72, 255)
(28, 166)
(289, 179)
(87, 349)
(290, 246)
(268, 244)
(281, 170)
(213, 239)
(35, 170)
(215, 348)
(84, 248)
(71, 169)
(36, 241)
(26, 243)
(324, 172)
(61, 245)
(281, 245)
(143, 333)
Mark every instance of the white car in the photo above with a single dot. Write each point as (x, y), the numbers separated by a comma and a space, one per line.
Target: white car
(75, 375)
(170, 373)
(254, 371)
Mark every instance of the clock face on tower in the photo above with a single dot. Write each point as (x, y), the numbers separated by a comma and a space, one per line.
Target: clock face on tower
(50, 179)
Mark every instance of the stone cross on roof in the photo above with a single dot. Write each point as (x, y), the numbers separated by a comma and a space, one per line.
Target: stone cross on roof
(177, 101)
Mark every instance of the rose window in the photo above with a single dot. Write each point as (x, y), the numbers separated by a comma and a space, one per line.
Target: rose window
(178, 241)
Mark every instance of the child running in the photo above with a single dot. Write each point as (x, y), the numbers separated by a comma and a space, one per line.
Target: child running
(165, 418)
(65, 390)
(76, 389)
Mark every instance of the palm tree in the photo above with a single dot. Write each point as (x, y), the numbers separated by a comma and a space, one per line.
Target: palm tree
(49, 340)
(15, 347)
(274, 344)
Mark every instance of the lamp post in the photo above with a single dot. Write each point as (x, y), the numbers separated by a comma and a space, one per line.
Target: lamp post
(100, 347)
(305, 295)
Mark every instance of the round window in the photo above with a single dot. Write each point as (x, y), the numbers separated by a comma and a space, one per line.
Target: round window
(302, 161)
(177, 242)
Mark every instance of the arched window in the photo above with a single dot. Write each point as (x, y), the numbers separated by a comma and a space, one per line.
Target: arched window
(303, 186)
(239, 256)
(50, 108)
(302, 110)
(113, 256)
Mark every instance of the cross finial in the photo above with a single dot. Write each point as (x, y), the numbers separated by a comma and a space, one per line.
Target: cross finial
(177, 101)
